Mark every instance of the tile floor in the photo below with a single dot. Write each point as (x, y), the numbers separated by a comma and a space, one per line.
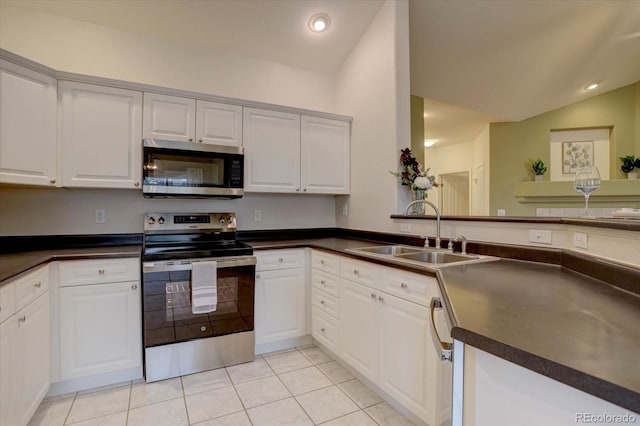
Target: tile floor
(302, 386)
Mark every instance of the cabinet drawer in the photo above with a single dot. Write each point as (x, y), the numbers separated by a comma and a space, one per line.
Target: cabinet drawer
(412, 287)
(325, 329)
(80, 272)
(326, 282)
(30, 286)
(325, 302)
(360, 272)
(325, 262)
(279, 259)
(7, 300)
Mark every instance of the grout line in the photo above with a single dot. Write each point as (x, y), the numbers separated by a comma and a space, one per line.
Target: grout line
(70, 408)
(129, 404)
(184, 399)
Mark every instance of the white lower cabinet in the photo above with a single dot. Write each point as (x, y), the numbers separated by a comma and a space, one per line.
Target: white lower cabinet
(281, 296)
(99, 328)
(25, 348)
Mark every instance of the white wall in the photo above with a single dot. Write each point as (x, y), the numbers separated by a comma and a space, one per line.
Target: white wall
(72, 211)
(373, 86)
(81, 47)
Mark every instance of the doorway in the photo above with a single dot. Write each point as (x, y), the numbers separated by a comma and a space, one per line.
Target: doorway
(454, 194)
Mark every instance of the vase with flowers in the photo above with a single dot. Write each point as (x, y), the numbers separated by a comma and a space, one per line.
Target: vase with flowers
(412, 175)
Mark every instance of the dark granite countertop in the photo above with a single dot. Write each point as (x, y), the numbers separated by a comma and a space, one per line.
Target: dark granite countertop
(15, 264)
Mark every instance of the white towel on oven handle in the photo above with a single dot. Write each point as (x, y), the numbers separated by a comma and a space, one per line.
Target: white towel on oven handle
(204, 287)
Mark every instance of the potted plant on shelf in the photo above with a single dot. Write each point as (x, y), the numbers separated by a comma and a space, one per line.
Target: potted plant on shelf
(412, 175)
(629, 162)
(539, 169)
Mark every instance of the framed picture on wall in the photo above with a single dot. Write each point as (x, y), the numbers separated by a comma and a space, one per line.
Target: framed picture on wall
(577, 154)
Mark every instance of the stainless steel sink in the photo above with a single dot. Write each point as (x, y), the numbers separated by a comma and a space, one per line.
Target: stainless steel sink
(390, 250)
(436, 257)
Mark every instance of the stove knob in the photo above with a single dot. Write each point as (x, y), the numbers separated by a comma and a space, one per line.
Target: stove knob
(221, 220)
(151, 220)
(229, 220)
(161, 220)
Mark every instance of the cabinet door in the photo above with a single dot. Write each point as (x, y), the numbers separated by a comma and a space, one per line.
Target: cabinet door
(100, 329)
(405, 329)
(101, 136)
(28, 104)
(218, 124)
(168, 117)
(280, 305)
(325, 153)
(34, 354)
(272, 151)
(359, 328)
(9, 372)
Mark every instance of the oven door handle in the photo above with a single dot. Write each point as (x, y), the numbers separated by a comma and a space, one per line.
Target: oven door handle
(185, 265)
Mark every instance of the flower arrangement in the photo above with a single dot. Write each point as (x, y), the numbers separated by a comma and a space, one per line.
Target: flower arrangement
(538, 167)
(629, 162)
(411, 172)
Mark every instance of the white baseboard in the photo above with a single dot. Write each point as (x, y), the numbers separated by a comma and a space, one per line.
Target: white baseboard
(264, 348)
(91, 382)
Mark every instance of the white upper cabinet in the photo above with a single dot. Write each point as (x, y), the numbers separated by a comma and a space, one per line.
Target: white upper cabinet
(218, 124)
(169, 117)
(287, 153)
(272, 151)
(28, 105)
(324, 151)
(101, 136)
(188, 120)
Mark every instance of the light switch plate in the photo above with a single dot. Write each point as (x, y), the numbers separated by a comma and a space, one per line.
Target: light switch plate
(580, 240)
(405, 227)
(539, 236)
(257, 215)
(101, 217)
(502, 212)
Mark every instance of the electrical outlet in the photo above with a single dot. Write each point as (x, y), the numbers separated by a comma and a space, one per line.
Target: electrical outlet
(502, 212)
(405, 227)
(345, 210)
(581, 240)
(257, 215)
(101, 217)
(541, 237)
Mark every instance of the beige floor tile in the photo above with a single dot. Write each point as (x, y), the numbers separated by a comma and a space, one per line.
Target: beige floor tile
(326, 404)
(285, 412)
(305, 380)
(262, 391)
(288, 361)
(150, 393)
(52, 413)
(205, 381)
(117, 419)
(386, 415)
(335, 372)
(360, 393)
(211, 404)
(315, 354)
(236, 419)
(250, 371)
(98, 404)
(359, 418)
(166, 413)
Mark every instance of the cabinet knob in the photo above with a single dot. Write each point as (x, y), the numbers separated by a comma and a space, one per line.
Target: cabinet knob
(297, 189)
(38, 284)
(281, 260)
(322, 282)
(373, 295)
(322, 329)
(200, 140)
(136, 184)
(22, 318)
(356, 272)
(134, 287)
(101, 271)
(380, 299)
(190, 139)
(257, 275)
(403, 285)
(322, 262)
(52, 181)
(203, 328)
(322, 302)
(305, 190)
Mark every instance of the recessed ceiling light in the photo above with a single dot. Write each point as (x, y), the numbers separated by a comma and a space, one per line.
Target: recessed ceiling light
(319, 22)
(429, 142)
(591, 86)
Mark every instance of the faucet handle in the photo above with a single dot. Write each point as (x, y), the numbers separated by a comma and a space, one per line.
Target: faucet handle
(463, 249)
(426, 240)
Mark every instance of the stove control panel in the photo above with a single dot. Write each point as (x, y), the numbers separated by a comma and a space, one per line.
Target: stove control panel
(222, 222)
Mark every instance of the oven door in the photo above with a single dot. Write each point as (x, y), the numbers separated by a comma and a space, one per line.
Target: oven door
(192, 170)
(166, 300)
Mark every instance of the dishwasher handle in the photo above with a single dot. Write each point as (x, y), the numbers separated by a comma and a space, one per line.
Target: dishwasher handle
(444, 347)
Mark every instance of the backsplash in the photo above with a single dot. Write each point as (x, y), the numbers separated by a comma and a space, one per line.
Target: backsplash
(574, 212)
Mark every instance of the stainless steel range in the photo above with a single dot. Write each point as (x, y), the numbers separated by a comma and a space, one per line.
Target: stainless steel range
(198, 294)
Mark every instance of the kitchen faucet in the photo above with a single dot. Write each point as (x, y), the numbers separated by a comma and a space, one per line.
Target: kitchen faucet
(413, 203)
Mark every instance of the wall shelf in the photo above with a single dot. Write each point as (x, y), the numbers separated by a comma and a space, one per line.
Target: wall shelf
(623, 190)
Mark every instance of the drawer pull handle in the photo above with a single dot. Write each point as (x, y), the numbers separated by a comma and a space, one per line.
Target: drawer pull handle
(403, 285)
(373, 295)
(380, 299)
(281, 260)
(38, 284)
(22, 319)
(134, 287)
(101, 271)
(203, 328)
(322, 329)
(444, 347)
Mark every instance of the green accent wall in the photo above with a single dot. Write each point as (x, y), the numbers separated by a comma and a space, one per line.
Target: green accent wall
(417, 128)
(512, 144)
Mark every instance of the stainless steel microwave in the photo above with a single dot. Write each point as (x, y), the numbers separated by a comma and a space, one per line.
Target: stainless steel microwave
(183, 169)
